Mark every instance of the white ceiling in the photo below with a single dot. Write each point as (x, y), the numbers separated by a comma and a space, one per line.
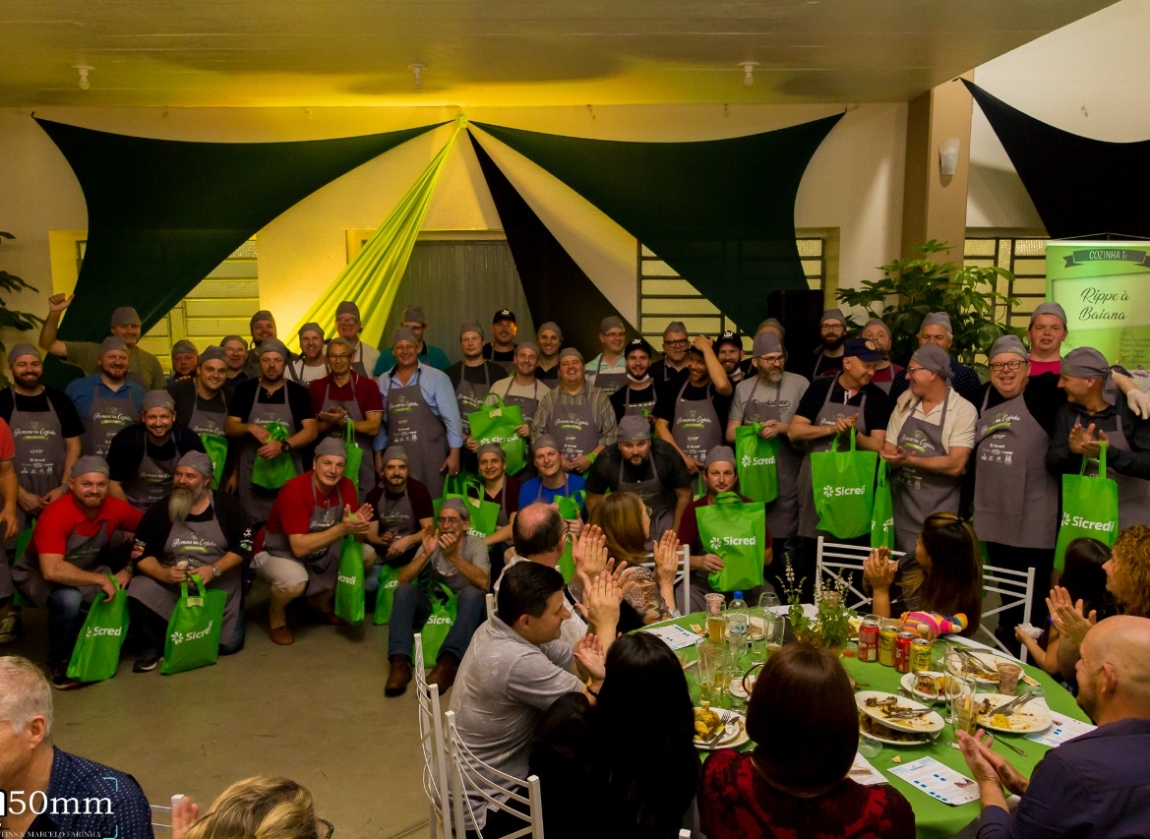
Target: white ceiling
(223, 53)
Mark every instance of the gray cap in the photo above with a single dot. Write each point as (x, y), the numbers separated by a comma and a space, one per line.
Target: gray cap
(611, 322)
(545, 441)
(19, 350)
(274, 345)
(198, 461)
(312, 326)
(1048, 309)
(331, 447)
(569, 351)
(262, 314)
(1010, 344)
(395, 453)
(89, 463)
(633, 428)
(347, 307)
(767, 343)
(720, 454)
(529, 345)
(458, 506)
(413, 313)
(404, 333)
(833, 314)
(227, 339)
(932, 357)
(878, 322)
(184, 347)
(771, 323)
(1085, 363)
(674, 326)
(937, 319)
(125, 316)
(550, 325)
(158, 399)
(213, 353)
(491, 448)
(471, 326)
(343, 342)
(113, 343)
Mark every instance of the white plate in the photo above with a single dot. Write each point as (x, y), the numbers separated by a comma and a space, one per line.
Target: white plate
(755, 628)
(908, 681)
(734, 731)
(926, 724)
(874, 734)
(736, 688)
(992, 660)
(1031, 717)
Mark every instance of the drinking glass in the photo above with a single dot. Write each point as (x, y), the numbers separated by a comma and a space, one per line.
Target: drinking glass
(712, 667)
(768, 601)
(775, 631)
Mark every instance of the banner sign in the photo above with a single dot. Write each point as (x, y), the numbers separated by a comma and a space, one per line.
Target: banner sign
(1105, 289)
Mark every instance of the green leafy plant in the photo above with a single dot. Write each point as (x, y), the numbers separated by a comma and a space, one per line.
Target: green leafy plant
(13, 318)
(831, 626)
(919, 285)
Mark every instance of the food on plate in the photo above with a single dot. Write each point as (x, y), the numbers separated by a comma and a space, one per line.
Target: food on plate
(871, 726)
(929, 685)
(1000, 721)
(885, 704)
(707, 723)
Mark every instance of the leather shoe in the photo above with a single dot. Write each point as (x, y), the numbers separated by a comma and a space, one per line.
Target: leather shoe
(443, 674)
(399, 677)
(282, 635)
(332, 619)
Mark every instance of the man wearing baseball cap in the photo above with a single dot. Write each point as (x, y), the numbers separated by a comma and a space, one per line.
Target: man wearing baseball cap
(143, 368)
(185, 357)
(501, 347)
(827, 359)
(928, 443)
(142, 458)
(415, 320)
(639, 395)
(107, 400)
(608, 370)
(1046, 332)
(694, 418)
(728, 349)
(936, 329)
(348, 326)
(877, 332)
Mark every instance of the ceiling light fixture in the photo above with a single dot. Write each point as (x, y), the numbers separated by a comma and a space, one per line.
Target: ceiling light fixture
(748, 71)
(417, 74)
(83, 69)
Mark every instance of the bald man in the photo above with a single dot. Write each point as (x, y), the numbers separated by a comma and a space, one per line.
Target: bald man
(1098, 784)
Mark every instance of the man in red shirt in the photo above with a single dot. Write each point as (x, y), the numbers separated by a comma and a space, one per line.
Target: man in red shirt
(298, 550)
(72, 555)
(9, 495)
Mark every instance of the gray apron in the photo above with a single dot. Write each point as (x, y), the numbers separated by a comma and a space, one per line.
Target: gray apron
(81, 551)
(366, 478)
(1133, 493)
(783, 512)
(573, 425)
(610, 381)
(696, 427)
(323, 565)
(470, 397)
(258, 501)
(659, 500)
(412, 424)
(916, 493)
(396, 515)
(40, 452)
(152, 481)
(1011, 446)
(528, 406)
(637, 409)
(107, 416)
(357, 366)
(199, 543)
(504, 518)
(828, 414)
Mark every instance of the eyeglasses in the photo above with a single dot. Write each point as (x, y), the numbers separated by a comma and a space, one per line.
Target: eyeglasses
(449, 520)
(682, 342)
(334, 356)
(771, 359)
(910, 371)
(328, 828)
(999, 366)
(347, 321)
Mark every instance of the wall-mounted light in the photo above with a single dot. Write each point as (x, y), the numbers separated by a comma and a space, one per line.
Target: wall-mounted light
(948, 155)
(748, 71)
(417, 74)
(83, 70)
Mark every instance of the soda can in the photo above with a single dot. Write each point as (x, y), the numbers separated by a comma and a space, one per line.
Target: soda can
(868, 639)
(919, 655)
(902, 651)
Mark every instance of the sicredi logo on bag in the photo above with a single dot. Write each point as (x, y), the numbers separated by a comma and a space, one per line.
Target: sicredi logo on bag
(180, 637)
(346, 580)
(1086, 524)
(441, 620)
(840, 492)
(99, 631)
(756, 461)
(717, 542)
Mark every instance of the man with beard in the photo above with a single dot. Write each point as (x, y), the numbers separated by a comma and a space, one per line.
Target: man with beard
(258, 403)
(142, 367)
(728, 349)
(236, 355)
(185, 359)
(71, 555)
(608, 370)
(311, 366)
(263, 328)
(1096, 786)
(694, 418)
(297, 552)
(202, 408)
(670, 371)
(348, 326)
(345, 397)
(638, 396)
(549, 337)
(106, 401)
(403, 512)
(577, 415)
(142, 458)
(828, 358)
(472, 379)
(501, 349)
(936, 330)
(193, 532)
(878, 333)
(416, 321)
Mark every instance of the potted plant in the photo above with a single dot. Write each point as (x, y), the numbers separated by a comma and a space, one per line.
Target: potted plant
(13, 318)
(831, 626)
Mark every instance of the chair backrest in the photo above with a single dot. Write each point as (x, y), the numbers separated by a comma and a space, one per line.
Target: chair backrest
(161, 819)
(837, 562)
(682, 579)
(433, 745)
(1015, 588)
(475, 783)
(490, 605)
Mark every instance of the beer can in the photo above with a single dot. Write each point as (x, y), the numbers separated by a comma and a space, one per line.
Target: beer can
(868, 639)
(919, 655)
(902, 651)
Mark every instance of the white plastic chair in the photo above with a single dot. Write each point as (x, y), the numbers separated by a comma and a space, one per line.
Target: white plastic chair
(490, 605)
(471, 776)
(1016, 588)
(161, 819)
(682, 580)
(431, 741)
(838, 562)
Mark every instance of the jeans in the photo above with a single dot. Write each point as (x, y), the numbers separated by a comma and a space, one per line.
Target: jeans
(371, 581)
(64, 606)
(412, 608)
(153, 629)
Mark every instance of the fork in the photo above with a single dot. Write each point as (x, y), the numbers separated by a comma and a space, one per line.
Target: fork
(974, 660)
(1013, 704)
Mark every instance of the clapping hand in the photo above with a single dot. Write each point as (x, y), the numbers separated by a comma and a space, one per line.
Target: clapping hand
(601, 599)
(989, 766)
(356, 523)
(1082, 440)
(879, 569)
(667, 558)
(590, 657)
(1068, 617)
(589, 550)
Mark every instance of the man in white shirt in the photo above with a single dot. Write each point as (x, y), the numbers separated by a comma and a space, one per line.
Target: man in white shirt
(311, 366)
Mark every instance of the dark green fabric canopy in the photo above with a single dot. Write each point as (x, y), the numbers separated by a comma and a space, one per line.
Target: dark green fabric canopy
(720, 212)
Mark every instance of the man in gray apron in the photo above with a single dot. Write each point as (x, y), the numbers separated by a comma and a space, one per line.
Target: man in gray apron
(106, 401)
(878, 333)
(524, 390)
(403, 511)
(311, 364)
(185, 359)
(928, 443)
(472, 378)
(638, 396)
(202, 407)
(143, 368)
(500, 489)
(695, 420)
(770, 399)
(578, 416)
(608, 370)
(652, 469)
(420, 414)
(348, 326)
(256, 404)
(415, 320)
(345, 397)
(71, 556)
(142, 458)
(193, 532)
(1094, 415)
(297, 551)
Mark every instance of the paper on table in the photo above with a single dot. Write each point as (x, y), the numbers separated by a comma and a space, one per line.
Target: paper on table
(675, 636)
(938, 781)
(864, 772)
(1064, 728)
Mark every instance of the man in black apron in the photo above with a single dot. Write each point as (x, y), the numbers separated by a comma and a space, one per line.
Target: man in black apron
(928, 443)
(650, 468)
(71, 556)
(202, 408)
(421, 414)
(311, 365)
(185, 359)
(549, 337)
(578, 416)
(143, 368)
(670, 371)
(501, 348)
(297, 551)
(472, 378)
(142, 458)
(364, 357)
(345, 397)
(107, 401)
(193, 532)
(608, 370)
(695, 419)
(638, 396)
(728, 349)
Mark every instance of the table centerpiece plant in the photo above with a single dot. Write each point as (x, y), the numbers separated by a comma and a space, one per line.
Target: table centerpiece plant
(831, 626)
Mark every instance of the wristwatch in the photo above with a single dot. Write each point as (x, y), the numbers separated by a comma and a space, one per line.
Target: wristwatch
(287, 446)
(216, 572)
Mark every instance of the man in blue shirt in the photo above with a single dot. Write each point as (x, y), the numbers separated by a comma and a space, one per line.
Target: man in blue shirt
(553, 481)
(107, 401)
(51, 792)
(416, 321)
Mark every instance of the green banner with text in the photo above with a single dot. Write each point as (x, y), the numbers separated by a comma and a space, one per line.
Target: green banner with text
(1105, 289)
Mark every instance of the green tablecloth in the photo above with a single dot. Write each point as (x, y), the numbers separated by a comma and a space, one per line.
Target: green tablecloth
(933, 818)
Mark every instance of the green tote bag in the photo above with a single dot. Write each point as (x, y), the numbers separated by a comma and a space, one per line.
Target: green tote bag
(97, 652)
(354, 453)
(385, 597)
(758, 463)
(843, 486)
(444, 608)
(570, 509)
(733, 530)
(217, 449)
(193, 638)
(498, 424)
(1089, 509)
(350, 594)
(882, 516)
(273, 473)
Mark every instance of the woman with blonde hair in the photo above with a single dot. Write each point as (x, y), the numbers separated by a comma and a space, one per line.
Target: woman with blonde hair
(255, 808)
(624, 520)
